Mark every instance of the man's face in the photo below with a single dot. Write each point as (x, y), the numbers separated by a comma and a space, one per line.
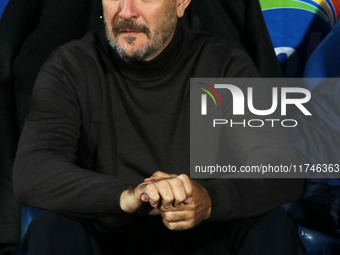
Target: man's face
(139, 29)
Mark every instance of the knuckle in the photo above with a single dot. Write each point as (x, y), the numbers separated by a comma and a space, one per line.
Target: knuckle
(184, 177)
(163, 184)
(176, 182)
(168, 197)
(154, 199)
(180, 199)
(149, 188)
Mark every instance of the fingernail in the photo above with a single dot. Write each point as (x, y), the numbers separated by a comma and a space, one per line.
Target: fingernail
(145, 198)
(188, 200)
(167, 206)
(148, 179)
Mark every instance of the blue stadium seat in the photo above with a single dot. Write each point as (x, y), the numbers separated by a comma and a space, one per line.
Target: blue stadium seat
(323, 63)
(3, 4)
(317, 243)
(325, 60)
(27, 215)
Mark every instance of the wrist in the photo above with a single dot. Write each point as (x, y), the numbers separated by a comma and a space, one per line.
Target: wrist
(125, 203)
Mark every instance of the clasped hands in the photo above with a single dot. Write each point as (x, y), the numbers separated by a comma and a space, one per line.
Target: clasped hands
(182, 202)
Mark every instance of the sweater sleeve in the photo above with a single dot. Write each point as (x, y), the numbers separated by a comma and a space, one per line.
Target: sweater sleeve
(240, 198)
(46, 172)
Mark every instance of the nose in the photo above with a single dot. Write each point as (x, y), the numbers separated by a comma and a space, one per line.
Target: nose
(128, 9)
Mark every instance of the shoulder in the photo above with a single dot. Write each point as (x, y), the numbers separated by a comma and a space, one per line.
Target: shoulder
(217, 54)
(211, 43)
(75, 59)
(70, 67)
(76, 52)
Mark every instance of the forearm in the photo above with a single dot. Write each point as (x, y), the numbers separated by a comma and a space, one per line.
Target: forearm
(46, 180)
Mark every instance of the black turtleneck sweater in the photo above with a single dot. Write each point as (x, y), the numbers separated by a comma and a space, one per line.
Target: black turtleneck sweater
(98, 125)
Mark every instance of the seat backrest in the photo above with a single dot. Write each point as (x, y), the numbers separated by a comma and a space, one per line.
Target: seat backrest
(296, 28)
(27, 215)
(3, 4)
(321, 196)
(325, 60)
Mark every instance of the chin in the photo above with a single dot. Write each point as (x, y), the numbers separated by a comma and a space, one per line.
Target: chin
(133, 47)
(135, 38)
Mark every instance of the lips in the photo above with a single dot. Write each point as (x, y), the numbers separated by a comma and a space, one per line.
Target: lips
(129, 31)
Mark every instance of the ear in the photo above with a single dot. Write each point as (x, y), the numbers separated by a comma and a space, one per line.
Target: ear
(181, 6)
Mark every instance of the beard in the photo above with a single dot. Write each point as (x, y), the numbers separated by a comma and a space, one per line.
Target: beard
(155, 39)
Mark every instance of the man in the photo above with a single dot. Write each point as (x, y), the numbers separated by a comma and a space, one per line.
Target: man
(106, 143)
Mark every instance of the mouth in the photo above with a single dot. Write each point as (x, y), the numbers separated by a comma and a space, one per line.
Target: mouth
(130, 28)
(129, 32)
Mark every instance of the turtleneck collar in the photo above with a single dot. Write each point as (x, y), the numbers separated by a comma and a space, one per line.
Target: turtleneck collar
(147, 70)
